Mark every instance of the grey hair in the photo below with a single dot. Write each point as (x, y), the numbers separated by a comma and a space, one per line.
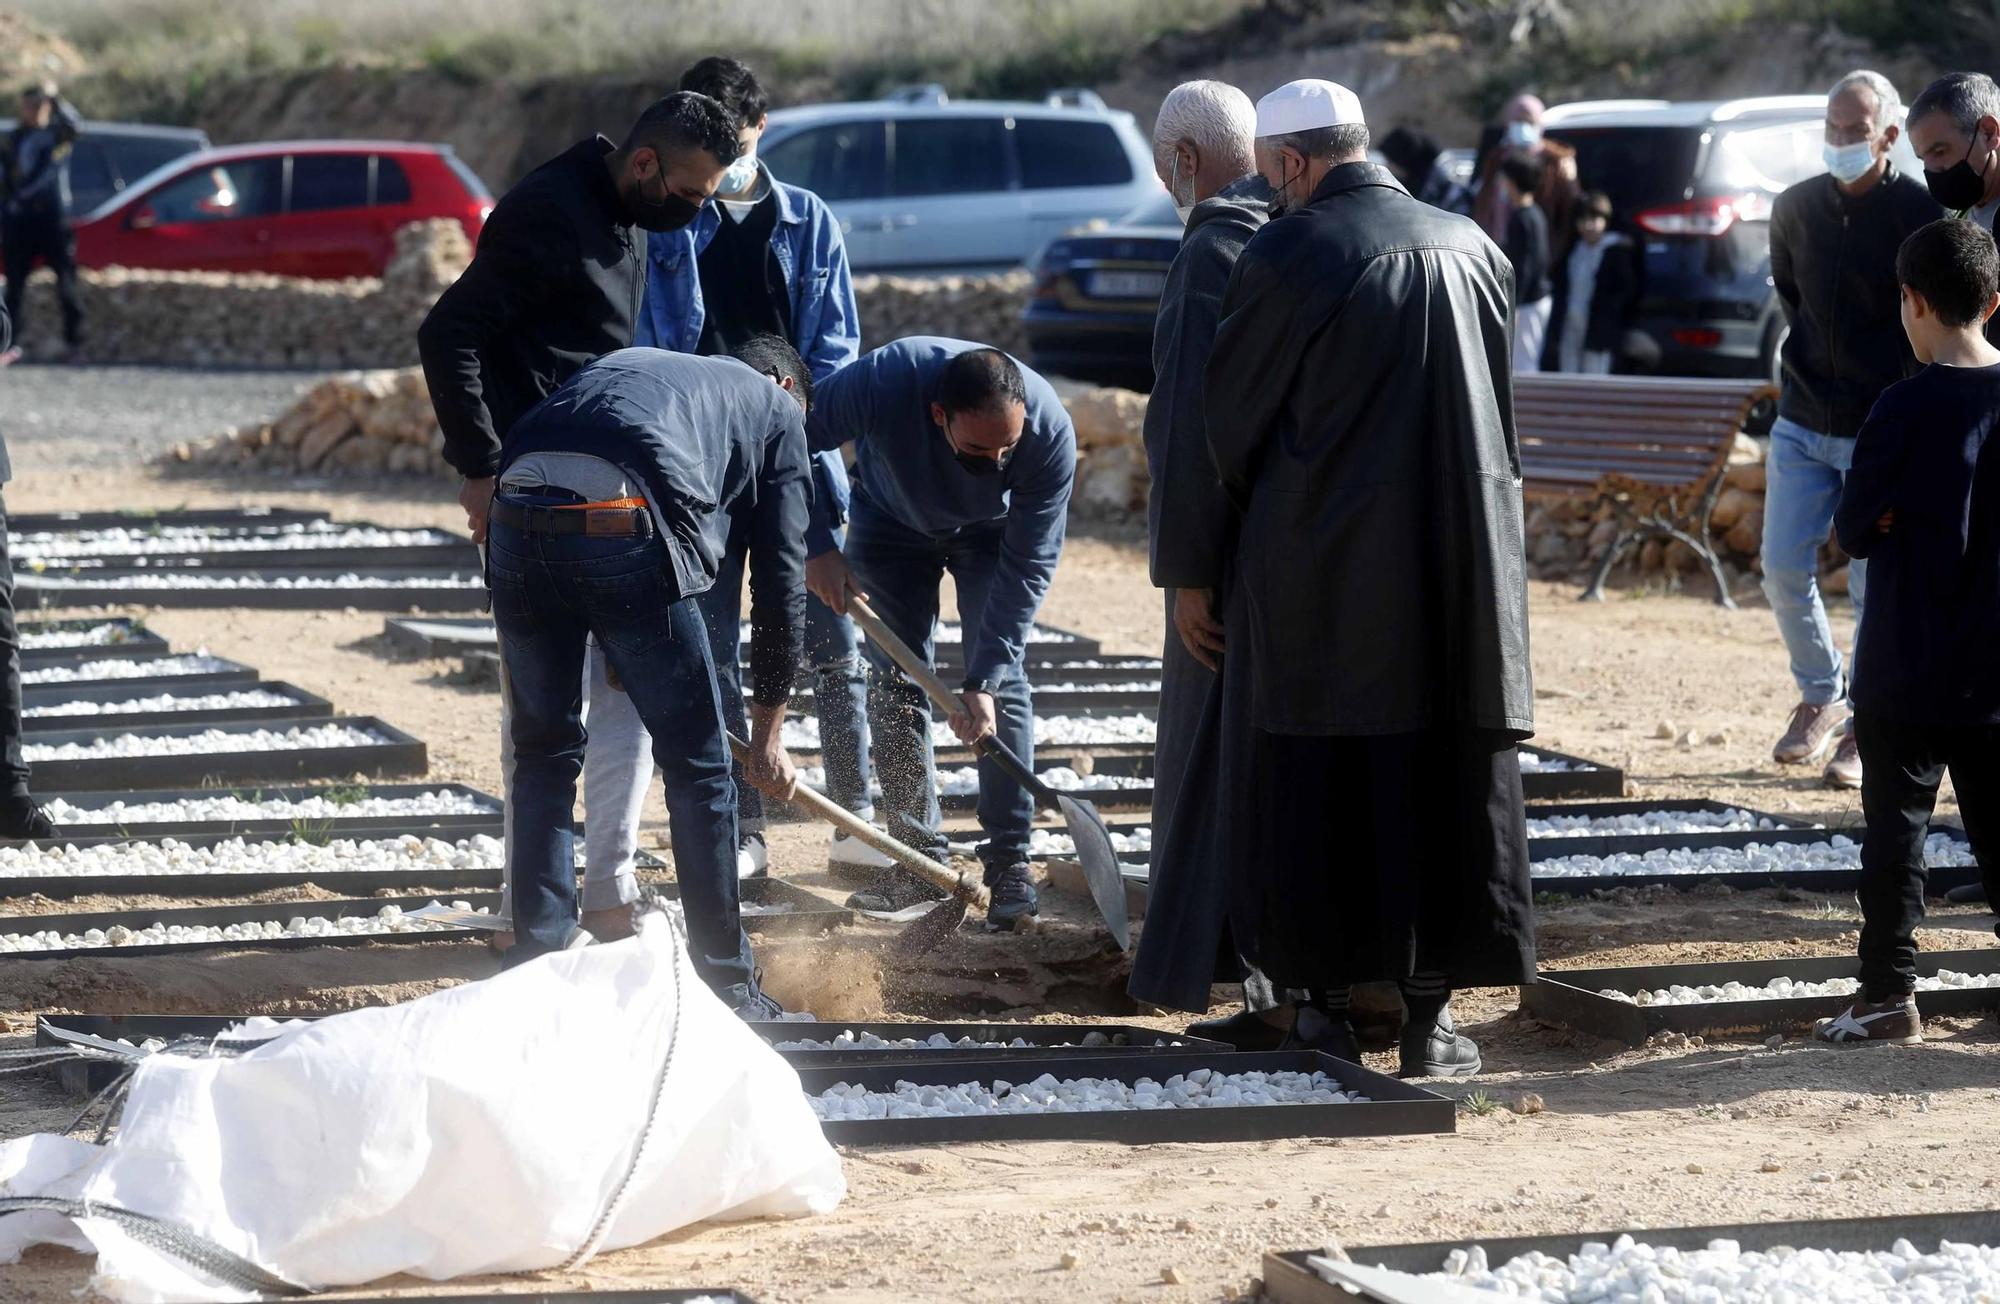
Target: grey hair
(1216, 117)
(1888, 104)
(1965, 97)
(1343, 144)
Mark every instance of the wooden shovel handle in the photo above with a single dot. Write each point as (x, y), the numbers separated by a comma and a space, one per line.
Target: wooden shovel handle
(903, 655)
(966, 887)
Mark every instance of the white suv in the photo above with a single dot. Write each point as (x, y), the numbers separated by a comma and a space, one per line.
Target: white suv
(921, 183)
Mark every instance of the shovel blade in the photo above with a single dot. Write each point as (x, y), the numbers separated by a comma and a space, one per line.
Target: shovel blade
(930, 932)
(1100, 865)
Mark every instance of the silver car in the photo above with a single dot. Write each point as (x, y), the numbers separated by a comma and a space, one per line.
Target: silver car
(924, 183)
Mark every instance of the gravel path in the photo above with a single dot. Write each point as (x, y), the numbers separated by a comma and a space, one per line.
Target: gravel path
(67, 418)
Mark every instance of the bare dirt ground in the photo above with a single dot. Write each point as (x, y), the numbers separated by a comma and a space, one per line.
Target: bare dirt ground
(1627, 1139)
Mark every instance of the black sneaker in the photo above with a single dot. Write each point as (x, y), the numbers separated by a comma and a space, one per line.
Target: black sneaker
(1013, 891)
(1436, 1049)
(1967, 894)
(1245, 1030)
(24, 818)
(1315, 1030)
(894, 892)
(759, 1008)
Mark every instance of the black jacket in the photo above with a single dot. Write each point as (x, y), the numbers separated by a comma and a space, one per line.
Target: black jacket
(710, 439)
(1833, 262)
(1188, 518)
(40, 189)
(1361, 413)
(1925, 654)
(558, 280)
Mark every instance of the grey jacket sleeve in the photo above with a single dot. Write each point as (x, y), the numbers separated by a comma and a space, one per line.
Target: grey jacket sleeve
(778, 558)
(1190, 518)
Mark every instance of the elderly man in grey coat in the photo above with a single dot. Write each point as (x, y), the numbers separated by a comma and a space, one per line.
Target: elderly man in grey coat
(1203, 151)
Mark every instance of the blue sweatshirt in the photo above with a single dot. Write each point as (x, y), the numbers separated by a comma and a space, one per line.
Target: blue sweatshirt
(1926, 651)
(905, 471)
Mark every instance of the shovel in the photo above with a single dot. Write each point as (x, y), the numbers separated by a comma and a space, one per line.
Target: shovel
(929, 932)
(1086, 827)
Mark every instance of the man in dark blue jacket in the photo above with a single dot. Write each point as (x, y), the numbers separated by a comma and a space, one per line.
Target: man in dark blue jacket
(615, 501)
(964, 461)
(34, 208)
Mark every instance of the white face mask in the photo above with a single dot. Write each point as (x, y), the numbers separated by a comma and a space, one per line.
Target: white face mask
(1521, 135)
(1183, 206)
(1849, 162)
(740, 175)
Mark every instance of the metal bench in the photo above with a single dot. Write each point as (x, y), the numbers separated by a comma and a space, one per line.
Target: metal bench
(1656, 447)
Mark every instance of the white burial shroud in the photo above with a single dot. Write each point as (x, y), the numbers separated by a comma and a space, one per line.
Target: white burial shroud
(481, 1129)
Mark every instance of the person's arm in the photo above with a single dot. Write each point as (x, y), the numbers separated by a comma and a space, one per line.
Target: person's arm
(826, 321)
(1030, 545)
(507, 284)
(1783, 279)
(777, 593)
(843, 410)
(1873, 483)
(1249, 377)
(1194, 513)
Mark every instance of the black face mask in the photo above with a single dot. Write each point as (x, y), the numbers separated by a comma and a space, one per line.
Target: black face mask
(1959, 186)
(670, 212)
(1281, 203)
(975, 463)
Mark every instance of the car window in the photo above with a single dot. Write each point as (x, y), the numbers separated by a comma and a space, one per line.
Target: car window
(135, 156)
(1055, 153)
(842, 160)
(322, 181)
(948, 156)
(90, 177)
(392, 184)
(1638, 167)
(1766, 158)
(219, 192)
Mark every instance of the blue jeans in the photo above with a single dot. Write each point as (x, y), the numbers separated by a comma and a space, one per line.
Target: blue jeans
(840, 691)
(550, 593)
(1803, 474)
(900, 570)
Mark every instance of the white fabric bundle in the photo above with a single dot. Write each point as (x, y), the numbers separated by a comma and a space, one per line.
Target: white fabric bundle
(478, 1130)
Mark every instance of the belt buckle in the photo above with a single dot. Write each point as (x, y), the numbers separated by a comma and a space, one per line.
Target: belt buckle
(607, 522)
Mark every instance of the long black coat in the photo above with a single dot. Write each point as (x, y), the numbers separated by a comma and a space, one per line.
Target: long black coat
(1191, 525)
(1360, 410)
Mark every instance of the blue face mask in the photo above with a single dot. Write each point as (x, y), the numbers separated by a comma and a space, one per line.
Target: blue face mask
(1849, 162)
(740, 175)
(1521, 135)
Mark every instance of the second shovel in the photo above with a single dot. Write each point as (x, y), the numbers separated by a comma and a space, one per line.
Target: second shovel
(1086, 827)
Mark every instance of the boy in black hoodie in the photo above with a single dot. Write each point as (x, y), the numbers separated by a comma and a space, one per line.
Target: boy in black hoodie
(1922, 503)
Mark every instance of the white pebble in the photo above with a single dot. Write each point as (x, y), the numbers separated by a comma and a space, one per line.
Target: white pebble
(199, 663)
(1787, 989)
(1048, 1095)
(190, 810)
(1652, 822)
(1838, 853)
(241, 699)
(206, 742)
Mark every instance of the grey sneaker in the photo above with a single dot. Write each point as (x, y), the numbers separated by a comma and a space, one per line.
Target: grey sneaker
(894, 892)
(1844, 770)
(1809, 733)
(1893, 1022)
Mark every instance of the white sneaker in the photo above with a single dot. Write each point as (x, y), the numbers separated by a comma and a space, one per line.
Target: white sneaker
(753, 859)
(849, 851)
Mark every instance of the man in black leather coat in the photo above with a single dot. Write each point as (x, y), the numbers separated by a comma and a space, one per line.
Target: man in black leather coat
(1376, 677)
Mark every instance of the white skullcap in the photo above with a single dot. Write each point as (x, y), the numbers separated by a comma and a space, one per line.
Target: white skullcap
(1307, 105)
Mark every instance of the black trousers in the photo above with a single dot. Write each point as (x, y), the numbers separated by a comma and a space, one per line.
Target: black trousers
(1901, 768)
(13, 769)
(45, 238)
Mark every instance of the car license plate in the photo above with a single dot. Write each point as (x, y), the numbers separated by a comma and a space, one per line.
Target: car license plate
(1127, 285)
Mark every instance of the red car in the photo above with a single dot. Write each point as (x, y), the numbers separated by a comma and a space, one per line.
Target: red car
(312, 208)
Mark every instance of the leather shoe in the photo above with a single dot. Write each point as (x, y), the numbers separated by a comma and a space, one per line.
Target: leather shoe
(1245, 1030)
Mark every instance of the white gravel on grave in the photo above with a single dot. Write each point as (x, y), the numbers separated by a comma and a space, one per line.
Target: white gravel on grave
(964, 780)
(1724, 1273)
(1838, 853)
(1134, 686)
(1786, 989)
(848, 1039)
(204, 580)
(198, 663)
(802, 733)
(190, 810)
(212, 539)
(170, 858)
(1200, 1089)
(1652, 822)
(1047, 842)
(206, 742)
(241, 699)
(948, 632)
(105, 635)
(1532, 763)
(389, 919)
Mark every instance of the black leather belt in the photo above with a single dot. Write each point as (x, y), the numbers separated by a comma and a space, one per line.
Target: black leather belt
(611, 521)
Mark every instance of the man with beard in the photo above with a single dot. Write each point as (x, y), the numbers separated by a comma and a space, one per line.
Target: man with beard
(1360, 412)
(558, 281)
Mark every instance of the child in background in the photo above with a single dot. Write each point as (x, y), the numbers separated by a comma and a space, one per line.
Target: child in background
(1527, 247)
(1594, 290)
(1922, 503)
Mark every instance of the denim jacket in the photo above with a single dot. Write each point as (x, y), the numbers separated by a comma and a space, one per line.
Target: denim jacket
(826, 327)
